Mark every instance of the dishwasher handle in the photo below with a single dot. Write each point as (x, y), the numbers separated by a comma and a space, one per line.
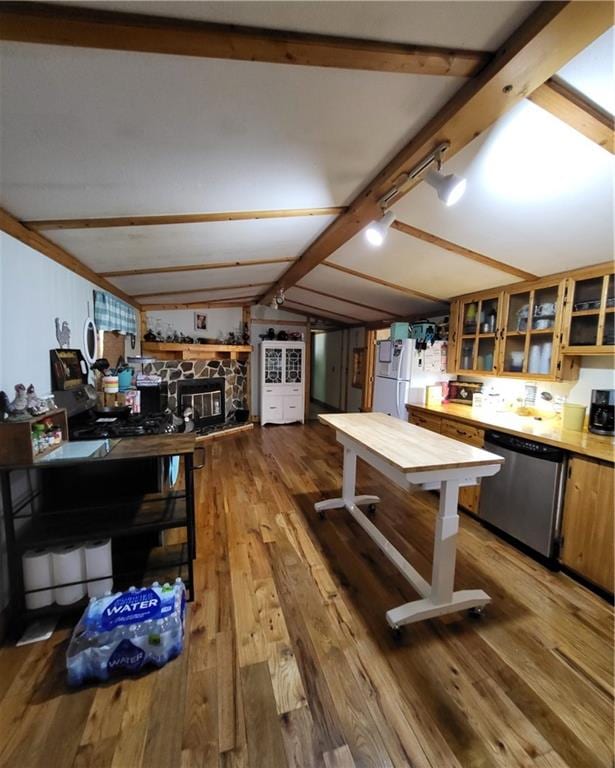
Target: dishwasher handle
(525, 446)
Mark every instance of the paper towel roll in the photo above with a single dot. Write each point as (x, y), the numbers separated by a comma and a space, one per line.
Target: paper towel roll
(97, 564)
(38, 574)
(68, 566)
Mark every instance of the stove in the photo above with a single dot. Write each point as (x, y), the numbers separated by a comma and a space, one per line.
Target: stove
(87, 426)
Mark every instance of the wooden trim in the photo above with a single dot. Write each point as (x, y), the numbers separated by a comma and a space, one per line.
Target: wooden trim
(221, 304)
(86, 28)
(303, 313)
(19, 231)
(575, 109)
(199, 290)
(385, 283)
(368, 373)
(279, 322)
(345, 301)
(179, 218)
(321, 309)
(224, 433)
(459, 250)
(192, 267)
(552, 35)
(308, 371)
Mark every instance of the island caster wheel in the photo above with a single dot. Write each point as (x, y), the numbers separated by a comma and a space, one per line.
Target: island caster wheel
(322, 515)
(398, 635)
(477, 611)
(371, 509)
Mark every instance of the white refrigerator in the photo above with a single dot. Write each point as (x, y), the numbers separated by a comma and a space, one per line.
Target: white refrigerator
(402, 374)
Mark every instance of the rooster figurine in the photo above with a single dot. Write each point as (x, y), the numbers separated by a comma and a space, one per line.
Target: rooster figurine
(35, 405)
(62, 333)
(18, 406)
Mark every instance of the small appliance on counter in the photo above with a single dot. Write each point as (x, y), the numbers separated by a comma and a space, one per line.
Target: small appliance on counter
(463, 391)
(602, 412)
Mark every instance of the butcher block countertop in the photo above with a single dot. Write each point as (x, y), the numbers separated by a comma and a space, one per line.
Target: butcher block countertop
(406, 447)
(548, 431)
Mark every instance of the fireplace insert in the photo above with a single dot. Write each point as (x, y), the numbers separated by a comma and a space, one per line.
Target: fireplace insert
(206, 399)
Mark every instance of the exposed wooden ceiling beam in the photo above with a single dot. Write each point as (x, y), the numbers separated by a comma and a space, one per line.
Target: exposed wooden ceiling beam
(427, 237)
(87, 28)
(385, 283)
(307, 315)
(179, 218)
(16, 229)
(199, 290)
(192, 267)
(240, 301)
(320, 309)
(552, 35)
(575, 109)
(344, 301)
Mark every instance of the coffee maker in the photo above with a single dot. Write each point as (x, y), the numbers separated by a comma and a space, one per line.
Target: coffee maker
(602, 412)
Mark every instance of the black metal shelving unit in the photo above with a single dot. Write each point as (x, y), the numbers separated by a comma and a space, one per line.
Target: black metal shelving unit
(36, 520)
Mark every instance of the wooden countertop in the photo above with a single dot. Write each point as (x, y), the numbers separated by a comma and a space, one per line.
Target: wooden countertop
(152, 445)
(548, 431)
(405, 446)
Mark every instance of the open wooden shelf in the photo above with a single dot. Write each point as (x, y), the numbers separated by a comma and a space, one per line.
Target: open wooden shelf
(163, 350)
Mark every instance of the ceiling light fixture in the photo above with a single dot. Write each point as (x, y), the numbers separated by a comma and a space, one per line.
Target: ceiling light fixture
(450, 189)
(377, 230)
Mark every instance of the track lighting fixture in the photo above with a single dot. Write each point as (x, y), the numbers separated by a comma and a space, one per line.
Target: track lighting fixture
(449, 188)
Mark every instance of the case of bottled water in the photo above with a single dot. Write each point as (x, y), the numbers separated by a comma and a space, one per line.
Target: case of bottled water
(123, 632)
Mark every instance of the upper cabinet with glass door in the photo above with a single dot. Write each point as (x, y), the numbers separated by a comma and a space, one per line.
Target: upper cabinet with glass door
(590, 317)
(477, 334)
(529, 337)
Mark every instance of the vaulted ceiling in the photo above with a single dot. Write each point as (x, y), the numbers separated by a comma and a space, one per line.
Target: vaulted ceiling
(90, 133)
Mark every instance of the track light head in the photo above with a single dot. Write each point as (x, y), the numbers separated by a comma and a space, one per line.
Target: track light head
(377, 230)
(450, 188)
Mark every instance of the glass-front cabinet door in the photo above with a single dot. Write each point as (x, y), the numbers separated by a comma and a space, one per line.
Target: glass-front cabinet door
(591, 327)
(529, 335)
(293, 365)
(273, 365)
(478, 331)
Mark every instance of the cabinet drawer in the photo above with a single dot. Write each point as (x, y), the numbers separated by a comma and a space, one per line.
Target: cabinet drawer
(273, 409)
(293, 408)
(425, 420)
(464, 432)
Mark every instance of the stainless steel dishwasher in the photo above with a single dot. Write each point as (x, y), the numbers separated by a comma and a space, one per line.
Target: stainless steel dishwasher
(524, 499)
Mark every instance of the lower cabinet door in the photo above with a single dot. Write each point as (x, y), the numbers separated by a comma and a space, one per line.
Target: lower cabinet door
(273, 411)
(469, 496)
(293, 409)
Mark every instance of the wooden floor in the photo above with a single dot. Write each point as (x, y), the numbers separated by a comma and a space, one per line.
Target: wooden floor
(289, 661)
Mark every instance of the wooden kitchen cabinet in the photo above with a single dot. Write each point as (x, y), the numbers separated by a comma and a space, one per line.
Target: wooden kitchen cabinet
(516, 331)
(466, 433)
(587, 523)
(589, 324)
(477, 329)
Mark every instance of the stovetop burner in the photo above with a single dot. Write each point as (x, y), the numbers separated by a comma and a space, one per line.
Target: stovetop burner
(89, 427)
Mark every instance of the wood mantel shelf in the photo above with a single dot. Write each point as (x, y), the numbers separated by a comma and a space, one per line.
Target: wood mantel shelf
(170, 351)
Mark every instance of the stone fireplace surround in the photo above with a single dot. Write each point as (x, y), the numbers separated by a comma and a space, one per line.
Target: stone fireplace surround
(234, 373)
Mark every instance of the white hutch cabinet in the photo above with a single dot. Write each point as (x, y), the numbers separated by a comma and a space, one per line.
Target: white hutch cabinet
(282, 382)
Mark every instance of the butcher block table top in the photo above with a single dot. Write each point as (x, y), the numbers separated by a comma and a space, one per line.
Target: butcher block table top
(405, 446)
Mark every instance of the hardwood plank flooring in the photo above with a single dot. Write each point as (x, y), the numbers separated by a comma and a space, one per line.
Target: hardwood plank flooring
(289, 662)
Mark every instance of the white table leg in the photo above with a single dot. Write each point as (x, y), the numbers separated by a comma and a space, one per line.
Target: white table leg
(438, 597)
(348, 497)
(441, 598)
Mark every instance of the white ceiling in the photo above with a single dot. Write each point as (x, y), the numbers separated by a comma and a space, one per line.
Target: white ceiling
(593, 71)
(177, 244)
(209, 278)
(539, 196)
(89, 133)
(477, 25)
(104, 133)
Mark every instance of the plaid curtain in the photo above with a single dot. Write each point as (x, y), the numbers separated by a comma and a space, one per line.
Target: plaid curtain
(111, 314)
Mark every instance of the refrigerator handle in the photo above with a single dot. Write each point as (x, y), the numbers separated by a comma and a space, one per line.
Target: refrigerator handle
(398, 405)
(400, 369)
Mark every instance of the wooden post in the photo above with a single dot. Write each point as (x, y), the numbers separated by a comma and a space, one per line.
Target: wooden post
(368, 371)
(246, 319)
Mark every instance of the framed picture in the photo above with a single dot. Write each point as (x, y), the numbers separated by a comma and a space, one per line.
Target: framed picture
(200, 322)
